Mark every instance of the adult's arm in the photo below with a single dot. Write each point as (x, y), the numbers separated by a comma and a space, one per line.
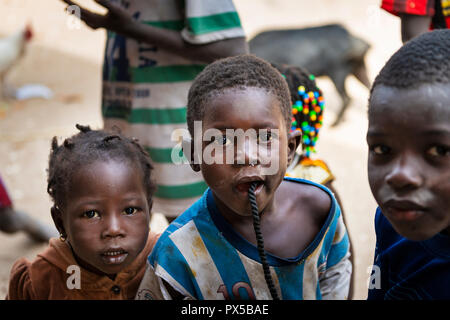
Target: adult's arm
(120, 21)
(413, 26)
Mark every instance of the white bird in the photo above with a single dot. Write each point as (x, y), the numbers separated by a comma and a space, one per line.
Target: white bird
(12, 49)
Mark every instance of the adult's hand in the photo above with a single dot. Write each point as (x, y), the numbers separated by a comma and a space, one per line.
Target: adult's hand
(116, 19)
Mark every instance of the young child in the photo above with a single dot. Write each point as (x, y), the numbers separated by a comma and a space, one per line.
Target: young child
(102, 193)
(307, 116)
(409, 171)
(211, 250)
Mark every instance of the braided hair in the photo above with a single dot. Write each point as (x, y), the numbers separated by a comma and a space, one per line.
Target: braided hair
(307, 105)
(89, 146)
(260, 242)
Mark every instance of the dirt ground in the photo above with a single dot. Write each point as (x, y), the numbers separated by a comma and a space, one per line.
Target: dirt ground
(67, 58)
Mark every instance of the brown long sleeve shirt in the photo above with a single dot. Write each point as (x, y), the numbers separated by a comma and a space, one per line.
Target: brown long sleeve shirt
(48, 277)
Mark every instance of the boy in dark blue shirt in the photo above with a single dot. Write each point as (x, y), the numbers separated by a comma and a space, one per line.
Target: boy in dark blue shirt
(409, 171)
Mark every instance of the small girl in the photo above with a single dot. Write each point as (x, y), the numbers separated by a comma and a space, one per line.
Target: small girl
(307, 116)
(102, 194)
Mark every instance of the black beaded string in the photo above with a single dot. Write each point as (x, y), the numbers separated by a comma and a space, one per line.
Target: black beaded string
(260, 241)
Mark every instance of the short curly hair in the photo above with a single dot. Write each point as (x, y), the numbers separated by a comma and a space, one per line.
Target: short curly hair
(424, 59)
(237, 72)
(89, 146)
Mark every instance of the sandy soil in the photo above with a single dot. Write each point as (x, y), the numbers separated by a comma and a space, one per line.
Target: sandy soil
(68, 60)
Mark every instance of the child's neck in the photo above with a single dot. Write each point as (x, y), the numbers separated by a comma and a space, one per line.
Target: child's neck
(287, 227)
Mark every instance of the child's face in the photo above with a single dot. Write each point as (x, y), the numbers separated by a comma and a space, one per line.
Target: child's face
(106, 218)
(409, 158)
(248, 109)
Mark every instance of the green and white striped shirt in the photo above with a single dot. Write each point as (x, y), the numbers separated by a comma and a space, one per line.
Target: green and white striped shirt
(145, 87)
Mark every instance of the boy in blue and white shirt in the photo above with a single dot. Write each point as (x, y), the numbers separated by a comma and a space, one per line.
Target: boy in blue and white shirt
(209, 252)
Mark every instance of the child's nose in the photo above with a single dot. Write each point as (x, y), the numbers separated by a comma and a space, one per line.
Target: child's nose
(405, 174)
(113, 227)
(248, 152)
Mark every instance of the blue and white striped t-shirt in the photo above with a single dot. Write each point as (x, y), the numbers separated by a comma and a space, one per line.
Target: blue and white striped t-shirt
(201, 256)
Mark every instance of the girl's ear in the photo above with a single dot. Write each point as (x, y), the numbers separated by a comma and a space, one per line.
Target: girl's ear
(189, 152)
(294, 141)
(58, 221)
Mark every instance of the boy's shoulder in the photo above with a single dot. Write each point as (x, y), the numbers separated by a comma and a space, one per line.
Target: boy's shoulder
(318, 199)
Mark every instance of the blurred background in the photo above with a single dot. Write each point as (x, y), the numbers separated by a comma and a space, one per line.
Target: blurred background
(66, 56)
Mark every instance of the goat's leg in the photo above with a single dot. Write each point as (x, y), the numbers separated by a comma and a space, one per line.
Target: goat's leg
(360, 72)
(338, 79)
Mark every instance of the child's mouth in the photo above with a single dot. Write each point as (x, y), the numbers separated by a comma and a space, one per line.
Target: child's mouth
(244, 186)
(114, 256)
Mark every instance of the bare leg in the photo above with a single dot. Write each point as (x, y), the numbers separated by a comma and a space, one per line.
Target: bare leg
(339, 82)
(360, 73)
(413, 26)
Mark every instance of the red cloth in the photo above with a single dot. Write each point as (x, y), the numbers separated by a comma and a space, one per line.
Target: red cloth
(5, 200)
(417, 7)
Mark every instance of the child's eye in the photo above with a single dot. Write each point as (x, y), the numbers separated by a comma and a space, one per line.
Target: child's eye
(91, 214)
(265, 137)
(380, 149)
(222, 140)
(130, 210)
(439, 151)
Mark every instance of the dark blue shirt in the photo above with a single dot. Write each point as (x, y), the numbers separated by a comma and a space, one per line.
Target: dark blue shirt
(409, 270)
